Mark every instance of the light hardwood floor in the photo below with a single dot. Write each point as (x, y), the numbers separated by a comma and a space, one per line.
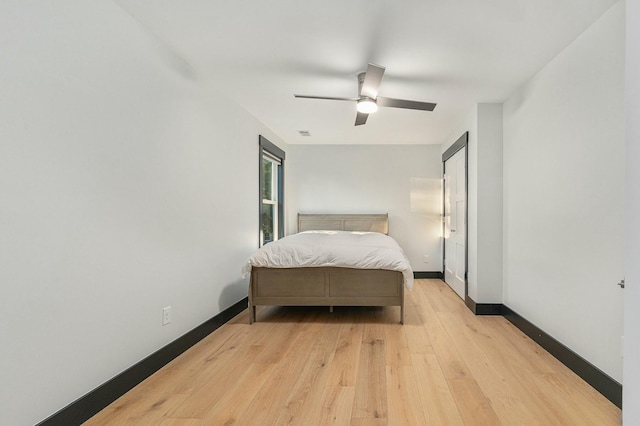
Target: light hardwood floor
(358, 366)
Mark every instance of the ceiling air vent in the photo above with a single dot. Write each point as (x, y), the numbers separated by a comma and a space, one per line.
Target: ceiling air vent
(304, 133)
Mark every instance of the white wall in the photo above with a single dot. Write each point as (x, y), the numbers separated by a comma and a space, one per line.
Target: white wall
(125, 188)
(402, 180)
(489, 204)
(564, 195)
(631, 380)
(484, 147)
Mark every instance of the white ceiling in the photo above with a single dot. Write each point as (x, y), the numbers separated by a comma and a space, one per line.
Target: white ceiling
(452, 52)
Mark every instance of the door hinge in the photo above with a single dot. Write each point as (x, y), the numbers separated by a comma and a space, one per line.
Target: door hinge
(621, 283)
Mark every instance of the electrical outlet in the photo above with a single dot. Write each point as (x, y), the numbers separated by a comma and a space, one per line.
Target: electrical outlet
(426, 258)
(166, 315)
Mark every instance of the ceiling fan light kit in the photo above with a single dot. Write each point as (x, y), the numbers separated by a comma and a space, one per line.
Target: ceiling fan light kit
(368, 100)
(367, 106)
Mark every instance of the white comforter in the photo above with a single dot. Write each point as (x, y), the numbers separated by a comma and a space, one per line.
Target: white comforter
(362, 250)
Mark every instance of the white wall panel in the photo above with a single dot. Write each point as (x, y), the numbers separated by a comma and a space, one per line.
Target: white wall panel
(631, 380)
(126, 187)
(402, 180)
(564, 195)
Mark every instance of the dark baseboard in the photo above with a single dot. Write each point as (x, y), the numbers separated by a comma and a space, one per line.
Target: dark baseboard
(483, 308)
(600, 381)
(84, 408)
(87, 406)
(428, 275)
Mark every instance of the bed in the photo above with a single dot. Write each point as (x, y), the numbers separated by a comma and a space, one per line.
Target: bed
(294, 282)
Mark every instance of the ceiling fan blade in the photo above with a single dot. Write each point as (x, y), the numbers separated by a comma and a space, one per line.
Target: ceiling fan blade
(329, 98)
(361, 118)
(403, 103)
(372, 79)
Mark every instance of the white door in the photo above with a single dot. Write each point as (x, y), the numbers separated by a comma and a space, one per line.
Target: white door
(455, 212)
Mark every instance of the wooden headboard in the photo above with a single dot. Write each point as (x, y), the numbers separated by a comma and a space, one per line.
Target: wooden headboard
(344, 222)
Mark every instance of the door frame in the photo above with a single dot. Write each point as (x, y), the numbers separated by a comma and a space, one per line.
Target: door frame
(461, 143)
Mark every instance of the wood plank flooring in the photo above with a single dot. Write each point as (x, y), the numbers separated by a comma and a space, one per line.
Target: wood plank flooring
(358, 366)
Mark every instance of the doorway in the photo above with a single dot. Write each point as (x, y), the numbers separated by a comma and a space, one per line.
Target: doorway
(454, 223)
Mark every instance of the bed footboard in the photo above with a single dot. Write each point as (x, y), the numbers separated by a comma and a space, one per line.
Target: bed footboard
(325, 286)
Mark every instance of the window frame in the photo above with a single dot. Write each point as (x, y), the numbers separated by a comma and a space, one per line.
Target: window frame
(271, 152)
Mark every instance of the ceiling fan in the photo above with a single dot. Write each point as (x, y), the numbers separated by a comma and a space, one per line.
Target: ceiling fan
(368, 100)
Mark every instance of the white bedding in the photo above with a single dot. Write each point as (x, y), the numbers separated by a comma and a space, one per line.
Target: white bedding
(362, 250)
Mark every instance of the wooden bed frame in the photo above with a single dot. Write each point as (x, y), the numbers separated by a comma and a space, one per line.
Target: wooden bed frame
(329, 286)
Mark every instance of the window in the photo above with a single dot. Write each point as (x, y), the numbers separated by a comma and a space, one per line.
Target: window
(271, 192)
